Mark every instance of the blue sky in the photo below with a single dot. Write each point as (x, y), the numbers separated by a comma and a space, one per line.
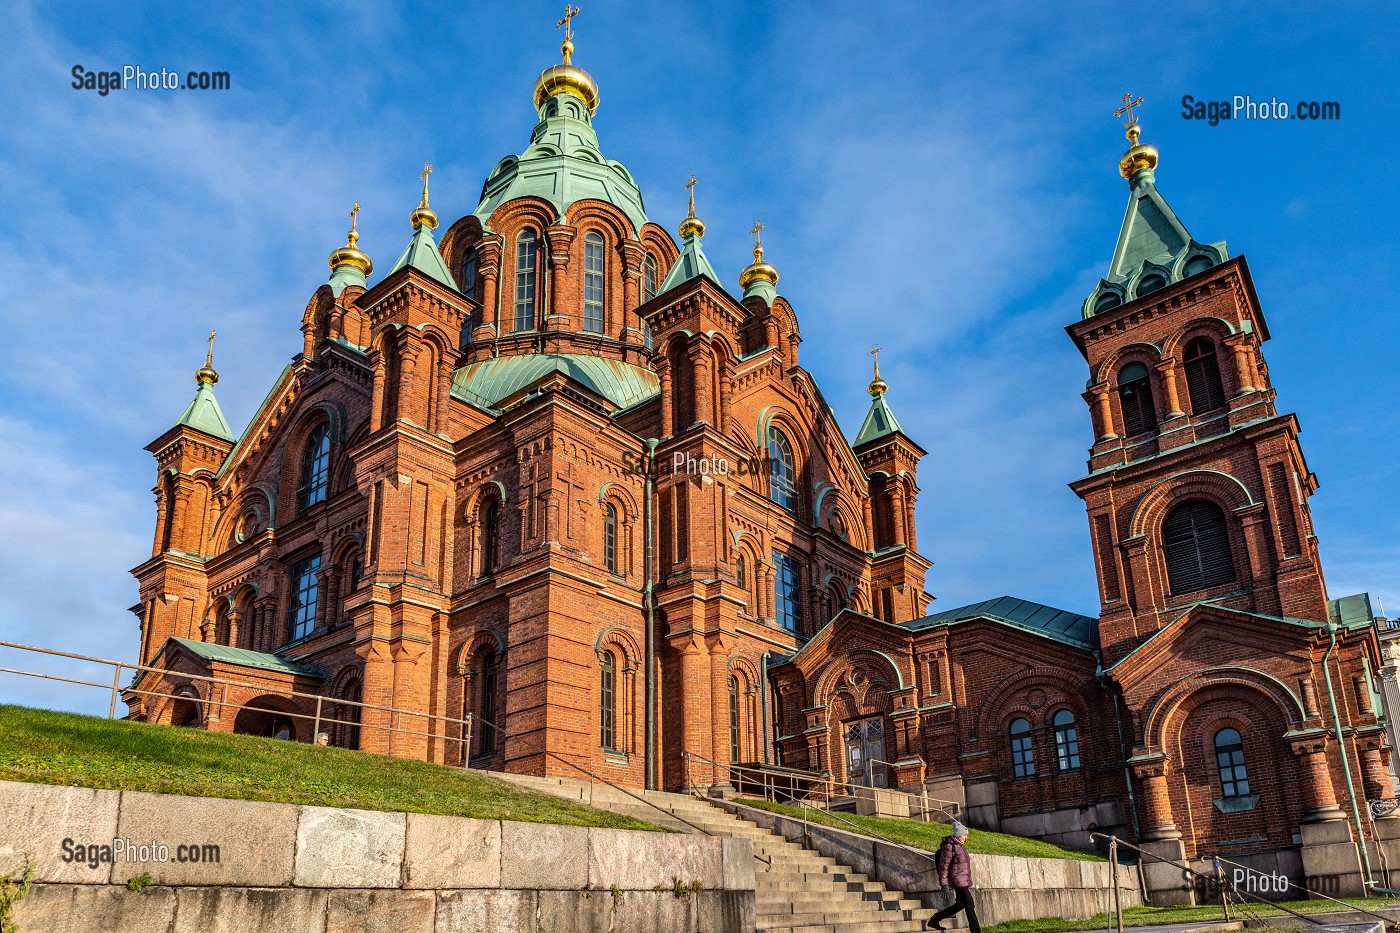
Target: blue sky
(937, 178)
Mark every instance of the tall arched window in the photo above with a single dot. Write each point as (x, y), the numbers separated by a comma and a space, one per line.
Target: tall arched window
(1066, 740)
(593, 283)
(782, 473)
(607, 701)
(786, 609)
(315, 468)
(1135, 392)
(526, 279)
(469, 277)
(1022, 753)
(733, 718)
(648, 278)
(490, 535)
(306, 585)
(1229, 758)
(1196, 543)
(1203, 376)
(610, 537)
(490, 686)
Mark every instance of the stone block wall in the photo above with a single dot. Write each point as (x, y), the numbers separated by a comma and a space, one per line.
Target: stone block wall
(303, 869)
(1007, 888)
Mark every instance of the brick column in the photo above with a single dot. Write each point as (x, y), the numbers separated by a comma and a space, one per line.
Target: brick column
(1244, 379)
(1319, 797)
(1375, 776)
(699, 361)
(1167, 367)
(1158, 822)
(488, 268)
(376, 403)
(695, 701)
(663, 374)
(1102, 411)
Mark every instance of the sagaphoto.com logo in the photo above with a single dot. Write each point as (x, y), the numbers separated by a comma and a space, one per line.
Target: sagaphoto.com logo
(1245, 107)
(134, 77)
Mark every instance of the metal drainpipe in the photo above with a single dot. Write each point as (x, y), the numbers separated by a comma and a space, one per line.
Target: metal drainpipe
(763, 686)
(1127, 771)
(649, 604)
(1342, 750)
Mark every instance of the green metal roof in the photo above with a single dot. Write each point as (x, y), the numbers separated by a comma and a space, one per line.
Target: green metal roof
(203, 414)
(245, 658)
(1154, 249)
(879, 422)
(1351, 611)
(487, 382)
(422, 254)
(1057, 624)
(691, 263)
(562, 165)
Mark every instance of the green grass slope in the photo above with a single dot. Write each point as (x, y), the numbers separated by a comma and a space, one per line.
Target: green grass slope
(45, 747)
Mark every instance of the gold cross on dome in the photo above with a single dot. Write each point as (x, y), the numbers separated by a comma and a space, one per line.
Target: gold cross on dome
(427, 170)
(353, 211)
(875, 349)
(569, 13)
(209, 358)
(757, 231)
(1127, 109)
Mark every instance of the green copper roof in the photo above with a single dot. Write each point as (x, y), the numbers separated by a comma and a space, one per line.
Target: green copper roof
(691, 264)
(879, 422)
(242, 656)
(1057, 624)
(422, 254)
(562, 165)
(1154, 250)
(347, 274)
(203, 414)
(487, 382)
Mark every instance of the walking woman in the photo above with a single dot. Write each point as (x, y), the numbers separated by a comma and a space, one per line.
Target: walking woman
(955, 872)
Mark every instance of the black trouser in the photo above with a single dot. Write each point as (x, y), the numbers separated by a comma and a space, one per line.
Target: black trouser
(962, 900)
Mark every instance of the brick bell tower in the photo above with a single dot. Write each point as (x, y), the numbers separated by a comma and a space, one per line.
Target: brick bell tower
(1197, 487)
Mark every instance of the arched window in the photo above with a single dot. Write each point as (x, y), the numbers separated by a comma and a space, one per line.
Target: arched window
(490, 535)
(1135, 392)
(786, 610)
(346, 732)
(648, 278)
(1022, 754)
(1203, 376)
(782, 474)
(490, 686)
(1107, 301)
(1150, 284)
(1196, 543)
(733, 718)
(1229, 758)
(741, 575)
(607, 702)
(526, 279)
(593, 283)
(1066, 740)
(306, 584)
(315, 468)
(469, 277)
(610, 537)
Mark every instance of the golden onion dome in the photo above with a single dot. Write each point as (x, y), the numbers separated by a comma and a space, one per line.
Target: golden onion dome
(423, 214)
(567, 78)
(758, 270)
(207, 374)
(349, 254)
(1138, 157)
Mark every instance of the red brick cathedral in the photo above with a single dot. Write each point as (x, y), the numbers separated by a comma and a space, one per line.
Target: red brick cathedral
(550, 474)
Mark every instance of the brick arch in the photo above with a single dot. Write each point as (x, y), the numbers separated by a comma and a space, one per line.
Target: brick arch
(613, 223)
(1146, 353)
(1215, 327)
(658, 242)
(742, 665)
(323, 411)
(997, 708)
(1167, 711)
(257, 499)
(510, 218)
(460, 239)
(828, 683)
(1223, 489)
(476, 641)
(171, 706)
(622, 641)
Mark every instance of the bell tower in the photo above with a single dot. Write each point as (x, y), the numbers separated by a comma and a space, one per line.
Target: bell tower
(1197, 488)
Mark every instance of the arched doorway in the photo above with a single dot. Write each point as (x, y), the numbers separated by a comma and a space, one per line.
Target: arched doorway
(271, 717)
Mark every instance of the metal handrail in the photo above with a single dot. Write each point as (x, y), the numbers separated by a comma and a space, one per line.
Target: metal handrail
(770, 786)
(1391, 923)
(1114, 842)
(923, 795)
(222, 702)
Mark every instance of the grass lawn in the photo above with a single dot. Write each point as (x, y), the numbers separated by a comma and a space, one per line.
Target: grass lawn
(929, 835)
(45, 747)
(1150, 916)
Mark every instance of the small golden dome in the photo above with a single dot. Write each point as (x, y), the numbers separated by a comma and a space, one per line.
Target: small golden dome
(206, 374)
(349, 254)
(1138, 157)
(758, 270)
(567, 78)
(423, 214)
(878, 386)
(692, 224)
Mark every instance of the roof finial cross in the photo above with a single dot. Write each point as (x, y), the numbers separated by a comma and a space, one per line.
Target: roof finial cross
(209, 357)
(875, 349)
(1127, 109)
(690, 187)
(427, 170)
(354, 234)
(566, 24)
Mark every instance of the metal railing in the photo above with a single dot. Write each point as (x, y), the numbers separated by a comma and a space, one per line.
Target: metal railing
(1226, 886)
(217, 705)
(318, 718)
(948, 808)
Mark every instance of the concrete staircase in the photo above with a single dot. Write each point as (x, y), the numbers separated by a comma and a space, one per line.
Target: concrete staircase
(798, 890)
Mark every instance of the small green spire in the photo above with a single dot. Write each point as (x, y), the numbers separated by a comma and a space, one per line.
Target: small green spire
(692, 261)
(879, 421)
(203, 412)
(422, 252)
